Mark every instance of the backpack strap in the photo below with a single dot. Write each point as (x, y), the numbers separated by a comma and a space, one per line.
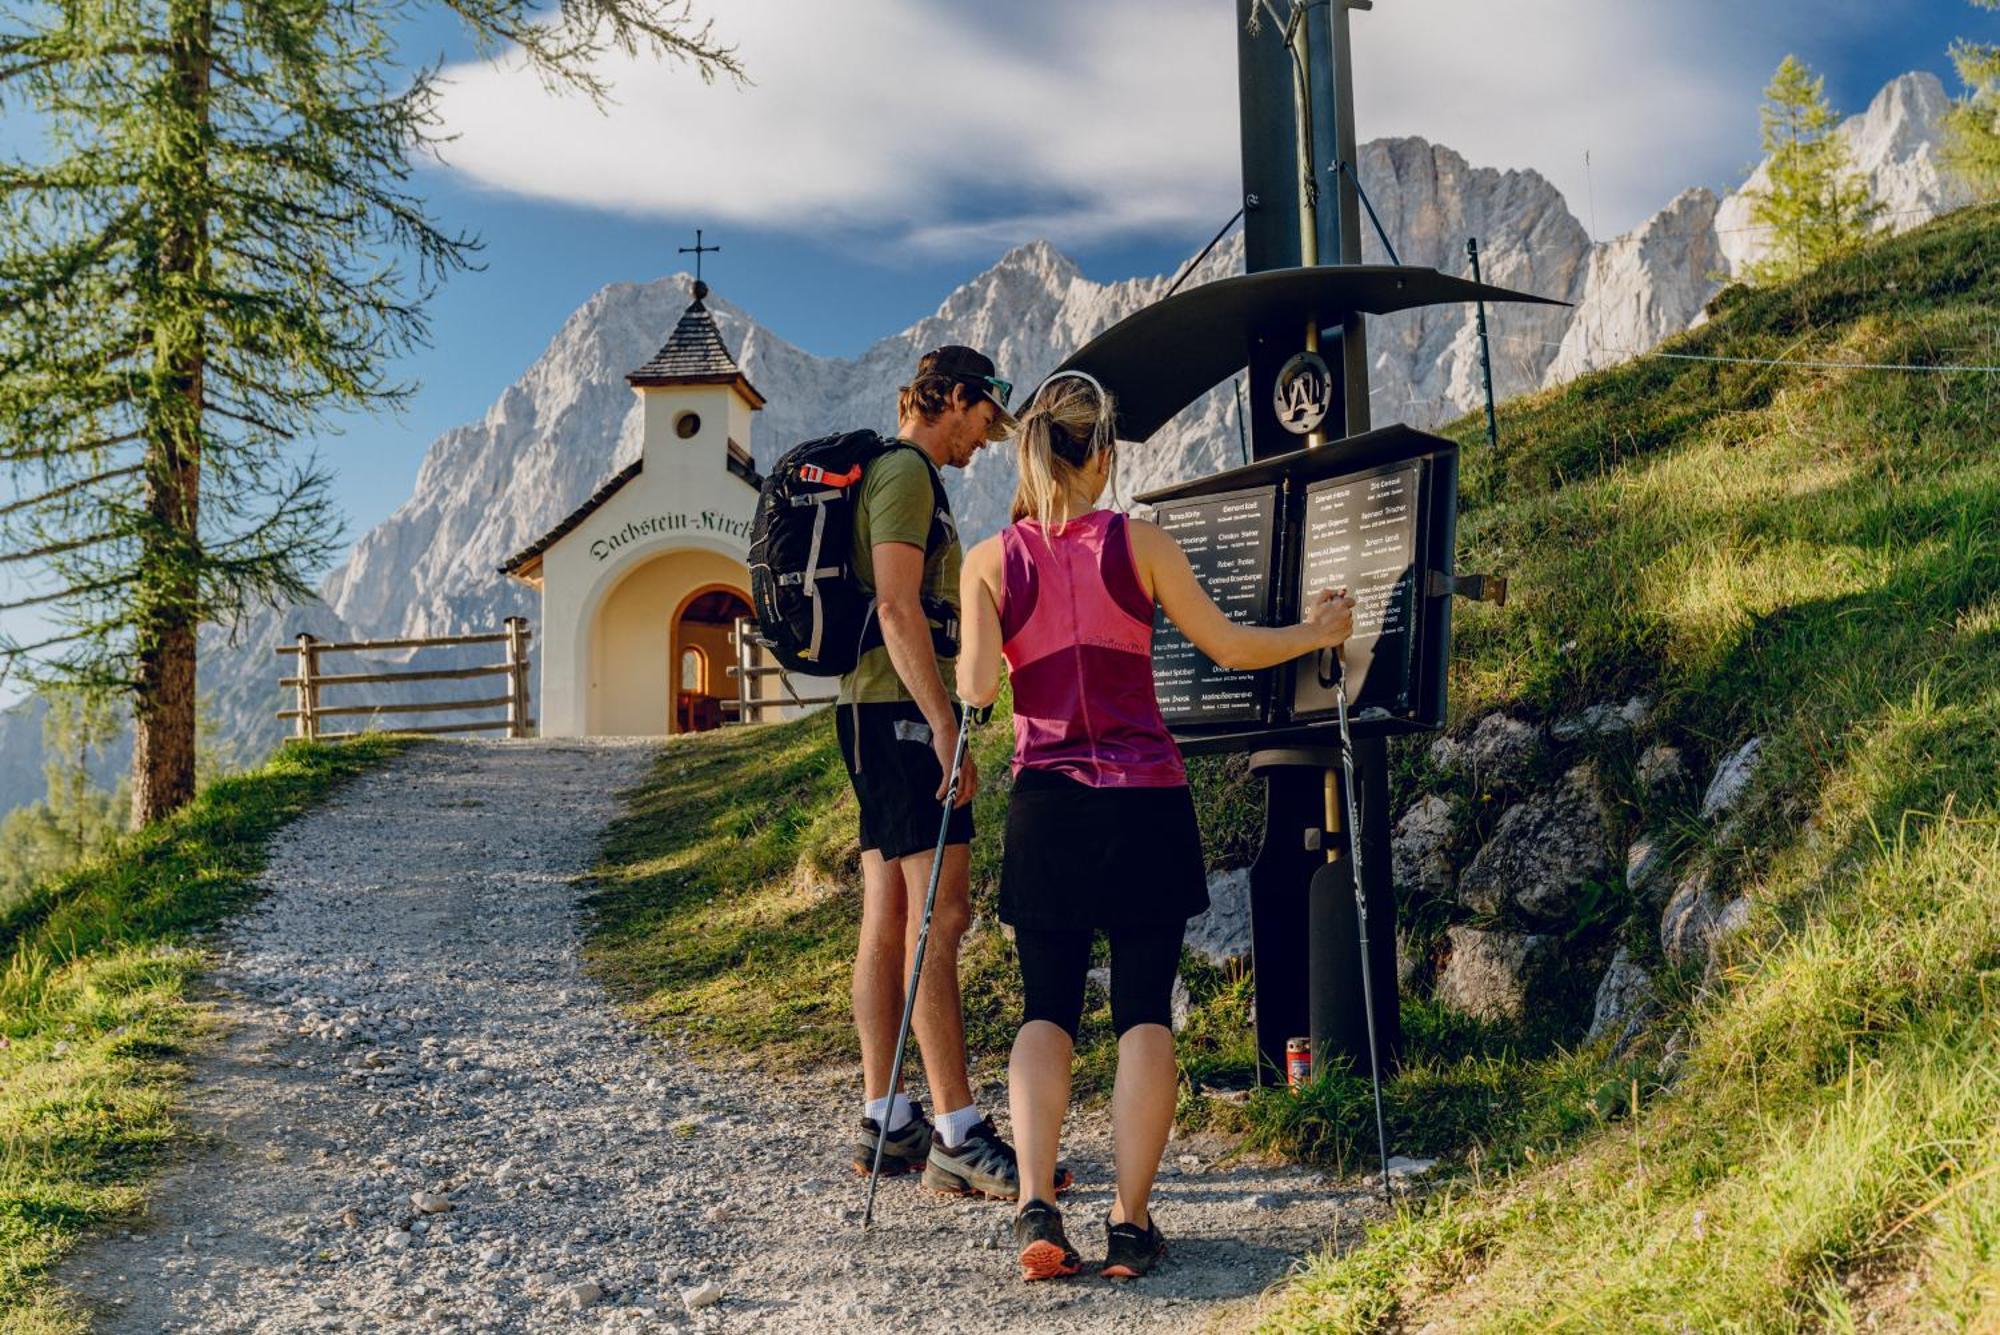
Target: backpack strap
(939, 612)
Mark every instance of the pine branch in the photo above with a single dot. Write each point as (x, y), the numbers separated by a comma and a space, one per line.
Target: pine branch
(83, 447)
(74, 591)
(57, 548)
(210, 404)
(561, 50)
(67, 489)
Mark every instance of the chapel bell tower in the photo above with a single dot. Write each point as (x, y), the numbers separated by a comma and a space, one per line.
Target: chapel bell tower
(697, 401)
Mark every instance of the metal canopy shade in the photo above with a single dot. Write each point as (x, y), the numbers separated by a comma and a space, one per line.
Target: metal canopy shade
(1160, 359)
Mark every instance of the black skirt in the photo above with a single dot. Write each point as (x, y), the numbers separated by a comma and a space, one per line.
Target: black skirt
(1078, 856)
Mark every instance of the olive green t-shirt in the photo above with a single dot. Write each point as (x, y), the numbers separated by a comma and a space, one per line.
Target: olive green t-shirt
(896, 506)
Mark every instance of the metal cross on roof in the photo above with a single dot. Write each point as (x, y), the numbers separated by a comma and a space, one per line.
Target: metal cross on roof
(698, 250)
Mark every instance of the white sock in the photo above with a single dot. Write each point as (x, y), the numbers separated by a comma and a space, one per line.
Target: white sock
(953, 1126)
(900, 1117)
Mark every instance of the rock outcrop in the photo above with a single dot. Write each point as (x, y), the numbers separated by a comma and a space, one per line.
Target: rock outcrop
(1543, 854)
(1492, 975)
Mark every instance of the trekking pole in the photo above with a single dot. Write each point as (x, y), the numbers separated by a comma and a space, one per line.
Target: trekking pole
(1360, 906)
(917, 966)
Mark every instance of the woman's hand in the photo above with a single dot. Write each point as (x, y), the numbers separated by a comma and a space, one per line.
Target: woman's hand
(1330, 616)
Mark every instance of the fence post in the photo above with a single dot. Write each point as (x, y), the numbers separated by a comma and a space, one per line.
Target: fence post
(746, 687)
(307, 725)
(517, 676)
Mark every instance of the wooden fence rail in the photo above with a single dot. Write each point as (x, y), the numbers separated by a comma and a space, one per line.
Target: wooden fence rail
(752, 703)
(309, 681)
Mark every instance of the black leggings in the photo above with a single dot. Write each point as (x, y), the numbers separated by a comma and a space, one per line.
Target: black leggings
(1144, 961)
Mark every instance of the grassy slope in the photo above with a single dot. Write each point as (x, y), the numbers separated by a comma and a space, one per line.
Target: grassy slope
(1812, 557)
(94, 1010)
(1809, 557)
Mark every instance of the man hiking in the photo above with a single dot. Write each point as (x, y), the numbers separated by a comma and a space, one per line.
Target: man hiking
(897, 727)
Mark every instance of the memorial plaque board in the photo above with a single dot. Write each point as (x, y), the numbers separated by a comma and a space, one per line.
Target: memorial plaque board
(1360, 532)
(1374, 513)
(1229, 540)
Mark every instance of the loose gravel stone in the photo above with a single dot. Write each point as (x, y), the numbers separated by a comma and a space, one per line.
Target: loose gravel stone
(429, 914)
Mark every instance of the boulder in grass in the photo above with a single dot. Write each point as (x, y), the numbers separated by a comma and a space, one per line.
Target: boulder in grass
(1222, 933)
(1419, 848)
(1494, 975)
(1731, 781)
(1603, 721)
(1688, 922)
(1501, 751)
(1646, 871)
(1624, 998)
(1663, 773)
(1544, 852)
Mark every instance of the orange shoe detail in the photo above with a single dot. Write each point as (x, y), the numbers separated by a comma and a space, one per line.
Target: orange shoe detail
(1045, 1260)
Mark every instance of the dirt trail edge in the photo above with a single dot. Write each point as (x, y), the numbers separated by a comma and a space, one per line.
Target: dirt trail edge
(423, 1116)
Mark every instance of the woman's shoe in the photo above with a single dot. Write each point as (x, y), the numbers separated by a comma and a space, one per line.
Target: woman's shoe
(1131, 1251)
(1045, 1252)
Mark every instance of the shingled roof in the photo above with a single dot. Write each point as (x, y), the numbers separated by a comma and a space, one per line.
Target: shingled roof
(695, 354)
(522, 562)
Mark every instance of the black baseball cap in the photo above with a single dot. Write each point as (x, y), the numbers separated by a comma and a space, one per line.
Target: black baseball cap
(974, 368)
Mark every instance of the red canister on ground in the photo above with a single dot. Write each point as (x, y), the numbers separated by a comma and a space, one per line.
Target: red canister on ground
(1298, 1061)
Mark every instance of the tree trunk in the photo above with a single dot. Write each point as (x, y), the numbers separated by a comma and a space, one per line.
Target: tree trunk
(163, 727)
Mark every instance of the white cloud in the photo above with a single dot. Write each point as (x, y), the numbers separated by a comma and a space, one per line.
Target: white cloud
(907, 121)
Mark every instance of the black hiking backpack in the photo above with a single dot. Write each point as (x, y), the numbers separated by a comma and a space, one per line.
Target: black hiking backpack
(813, 613)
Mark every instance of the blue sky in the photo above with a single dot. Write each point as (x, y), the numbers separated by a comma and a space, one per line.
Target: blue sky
(886, 150)
(839, 242)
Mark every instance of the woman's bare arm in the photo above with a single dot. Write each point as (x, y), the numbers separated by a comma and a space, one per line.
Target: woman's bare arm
(1166, 574)
(979, 624)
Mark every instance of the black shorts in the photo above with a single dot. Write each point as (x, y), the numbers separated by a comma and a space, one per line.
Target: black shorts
(1056, 964)
(1112, 858)
(896, 777)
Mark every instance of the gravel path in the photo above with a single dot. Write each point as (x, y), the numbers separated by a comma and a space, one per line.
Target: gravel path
(422, 1116)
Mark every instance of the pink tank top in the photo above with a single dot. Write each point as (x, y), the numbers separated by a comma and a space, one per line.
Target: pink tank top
(1077, 632)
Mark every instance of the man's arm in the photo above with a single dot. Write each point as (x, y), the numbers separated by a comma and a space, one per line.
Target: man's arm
(906, 633)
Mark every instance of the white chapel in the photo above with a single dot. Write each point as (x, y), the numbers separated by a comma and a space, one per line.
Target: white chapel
(641, 587)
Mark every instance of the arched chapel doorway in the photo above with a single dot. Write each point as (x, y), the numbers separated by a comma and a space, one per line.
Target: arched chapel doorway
(703, 654)
(659, 650)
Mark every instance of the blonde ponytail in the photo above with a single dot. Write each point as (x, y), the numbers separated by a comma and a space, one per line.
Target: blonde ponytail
(1068, 422)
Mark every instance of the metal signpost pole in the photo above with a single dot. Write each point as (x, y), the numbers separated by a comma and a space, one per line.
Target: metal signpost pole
(1370, 754)
(1296, 105)
(1272, 204)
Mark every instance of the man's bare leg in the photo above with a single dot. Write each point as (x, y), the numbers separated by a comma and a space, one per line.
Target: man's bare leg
(880, 971)
(939, 1018)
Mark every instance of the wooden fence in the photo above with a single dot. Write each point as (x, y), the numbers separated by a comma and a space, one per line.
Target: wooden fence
(756, 673)
(310, 681)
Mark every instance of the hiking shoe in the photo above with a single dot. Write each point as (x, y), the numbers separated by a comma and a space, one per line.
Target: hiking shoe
(1038, 1237)
(905, 1151)
(1131, 1251)
(984, 1165)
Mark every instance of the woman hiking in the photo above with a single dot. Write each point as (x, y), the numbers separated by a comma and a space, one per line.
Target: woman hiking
(1101, 832)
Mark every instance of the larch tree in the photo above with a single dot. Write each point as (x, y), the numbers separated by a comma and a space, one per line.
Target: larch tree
(1972, 126)
(213, 250)
(1815, 204)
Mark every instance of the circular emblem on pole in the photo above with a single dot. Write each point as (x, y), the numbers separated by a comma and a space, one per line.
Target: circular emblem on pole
(1303, 393)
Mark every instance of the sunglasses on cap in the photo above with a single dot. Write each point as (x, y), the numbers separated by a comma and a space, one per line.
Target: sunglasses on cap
(1000, 389)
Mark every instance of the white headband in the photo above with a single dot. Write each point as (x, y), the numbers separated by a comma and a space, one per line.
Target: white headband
(1084, 376)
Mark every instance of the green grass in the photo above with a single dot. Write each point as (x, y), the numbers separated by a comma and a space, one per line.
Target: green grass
(1812, 557)
(95, 1012)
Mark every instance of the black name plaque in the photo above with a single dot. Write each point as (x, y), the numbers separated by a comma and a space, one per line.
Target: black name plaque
(1228, 541)
(1360, 534)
